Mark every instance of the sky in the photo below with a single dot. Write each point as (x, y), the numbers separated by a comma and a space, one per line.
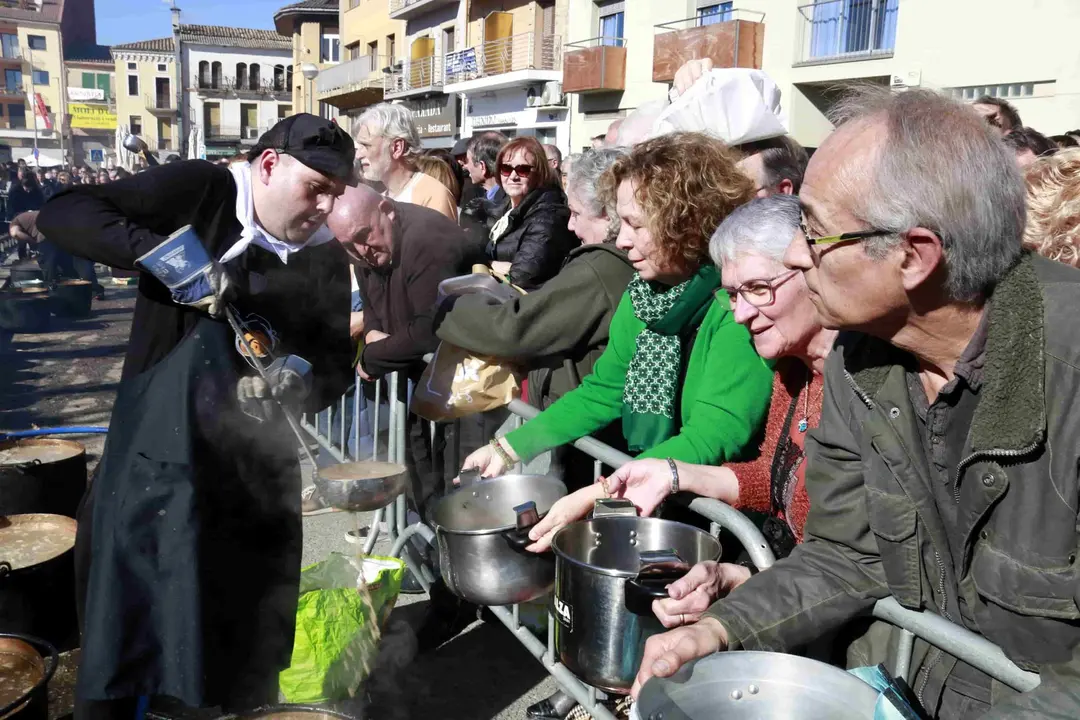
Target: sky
(124, 21)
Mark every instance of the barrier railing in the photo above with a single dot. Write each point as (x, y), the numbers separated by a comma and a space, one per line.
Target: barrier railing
(973, 649)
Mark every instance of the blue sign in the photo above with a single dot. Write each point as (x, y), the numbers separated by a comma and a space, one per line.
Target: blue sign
(461, 62)
(97, 156)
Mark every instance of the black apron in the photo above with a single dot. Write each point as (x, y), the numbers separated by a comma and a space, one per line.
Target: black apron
(194, 531)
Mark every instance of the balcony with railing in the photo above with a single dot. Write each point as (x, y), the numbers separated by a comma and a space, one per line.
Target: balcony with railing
(243, 134)
(160, 104)
(11, 52)
(730, 38)
(10, 91)
(352, 84)
(515, 60)
(415, 77)
(594, 65)
(840, 30)
(408, 9)
(242, 88)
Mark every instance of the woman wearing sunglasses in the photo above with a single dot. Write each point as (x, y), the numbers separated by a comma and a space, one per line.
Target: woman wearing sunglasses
(774, 305)
(530, 241)
(678, 371)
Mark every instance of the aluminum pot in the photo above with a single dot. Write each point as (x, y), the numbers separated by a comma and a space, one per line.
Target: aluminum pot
(753, 685)
(482, 529)
(608, 571)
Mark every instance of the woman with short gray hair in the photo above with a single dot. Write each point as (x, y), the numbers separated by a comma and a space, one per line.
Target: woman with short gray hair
(774, 304)
(590, 219)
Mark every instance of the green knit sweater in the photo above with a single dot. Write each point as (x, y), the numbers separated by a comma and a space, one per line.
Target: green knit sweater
(723, 400)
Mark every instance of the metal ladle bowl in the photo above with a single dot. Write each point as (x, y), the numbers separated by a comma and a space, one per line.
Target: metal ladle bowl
(361, 486)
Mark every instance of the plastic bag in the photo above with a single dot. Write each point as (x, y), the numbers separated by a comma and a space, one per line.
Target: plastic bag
(457, 383)
(737, 105)
(338, 626)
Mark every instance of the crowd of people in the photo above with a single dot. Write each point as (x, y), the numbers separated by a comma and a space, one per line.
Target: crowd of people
(871, 350)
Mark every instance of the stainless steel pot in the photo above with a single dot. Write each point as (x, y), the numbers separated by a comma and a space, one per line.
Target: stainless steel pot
(482, 529)
(607, 573)
(745, 685)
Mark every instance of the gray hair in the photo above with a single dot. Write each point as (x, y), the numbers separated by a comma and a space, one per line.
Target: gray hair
(393, 122)
(940, 168)
(583, 178)
(763, 226)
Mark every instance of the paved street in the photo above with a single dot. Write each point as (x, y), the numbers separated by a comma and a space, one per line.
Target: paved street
(69, 376)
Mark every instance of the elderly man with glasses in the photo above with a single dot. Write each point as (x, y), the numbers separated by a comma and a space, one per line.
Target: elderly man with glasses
(944, 471)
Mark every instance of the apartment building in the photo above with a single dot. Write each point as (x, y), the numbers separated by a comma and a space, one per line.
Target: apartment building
(370, 40)
(91, 108)
(32, 92)
(314, 28)
(237, 85)
(146, 97)
(623, 53)
(433, 30)
(509, 70)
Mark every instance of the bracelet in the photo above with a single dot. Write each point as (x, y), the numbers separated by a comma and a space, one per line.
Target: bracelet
(505, 456)
(674, 476)
(604, 484)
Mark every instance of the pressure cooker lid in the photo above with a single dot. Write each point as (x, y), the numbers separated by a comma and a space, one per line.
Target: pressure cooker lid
(491, 505)
(745, 685)
(38, 450)
(32, 539)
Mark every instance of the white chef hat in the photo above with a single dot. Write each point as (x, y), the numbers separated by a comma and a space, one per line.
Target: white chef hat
(737, 105)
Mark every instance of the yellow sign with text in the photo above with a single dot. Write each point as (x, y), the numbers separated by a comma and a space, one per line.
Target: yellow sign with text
(91, 117)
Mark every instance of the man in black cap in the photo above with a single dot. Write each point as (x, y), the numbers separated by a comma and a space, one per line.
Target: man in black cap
(189, 542)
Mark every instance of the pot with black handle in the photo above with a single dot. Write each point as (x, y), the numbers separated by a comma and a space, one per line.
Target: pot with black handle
(27, 664)
(482, 529)
(608, 571)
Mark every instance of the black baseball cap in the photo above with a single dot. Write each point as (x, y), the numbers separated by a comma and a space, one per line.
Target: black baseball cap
(461, 146)
(320, 144)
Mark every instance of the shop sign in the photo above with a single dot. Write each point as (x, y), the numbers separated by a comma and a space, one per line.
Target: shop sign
(91, 117)
(85, 94)
(436, 116)
(496, 120)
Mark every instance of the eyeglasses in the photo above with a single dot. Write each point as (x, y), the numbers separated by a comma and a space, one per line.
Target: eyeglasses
(523, 171)
(842, 237)
(760, 292)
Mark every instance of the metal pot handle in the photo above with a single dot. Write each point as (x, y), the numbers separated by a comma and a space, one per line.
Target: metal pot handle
(609, 507)
(468, 477)
(659, 568)
(527, 517)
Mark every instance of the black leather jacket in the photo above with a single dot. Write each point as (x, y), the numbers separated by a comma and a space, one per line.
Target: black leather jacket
(537, 239)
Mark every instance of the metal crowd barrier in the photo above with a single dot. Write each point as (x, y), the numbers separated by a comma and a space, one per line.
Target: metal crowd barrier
(958, 642)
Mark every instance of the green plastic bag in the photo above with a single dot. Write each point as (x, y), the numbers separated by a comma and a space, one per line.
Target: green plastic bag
(337, 628)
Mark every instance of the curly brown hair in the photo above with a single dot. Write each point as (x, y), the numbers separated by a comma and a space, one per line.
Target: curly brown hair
(686, 184)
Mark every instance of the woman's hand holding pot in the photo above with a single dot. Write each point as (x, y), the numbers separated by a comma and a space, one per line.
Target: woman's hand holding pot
(566, 510)
(489, 461)
(691, 595)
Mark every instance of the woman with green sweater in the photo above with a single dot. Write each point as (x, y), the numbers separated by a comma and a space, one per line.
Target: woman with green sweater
(678, 370)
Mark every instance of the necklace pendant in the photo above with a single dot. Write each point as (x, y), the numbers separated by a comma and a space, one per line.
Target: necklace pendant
(803, 425)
